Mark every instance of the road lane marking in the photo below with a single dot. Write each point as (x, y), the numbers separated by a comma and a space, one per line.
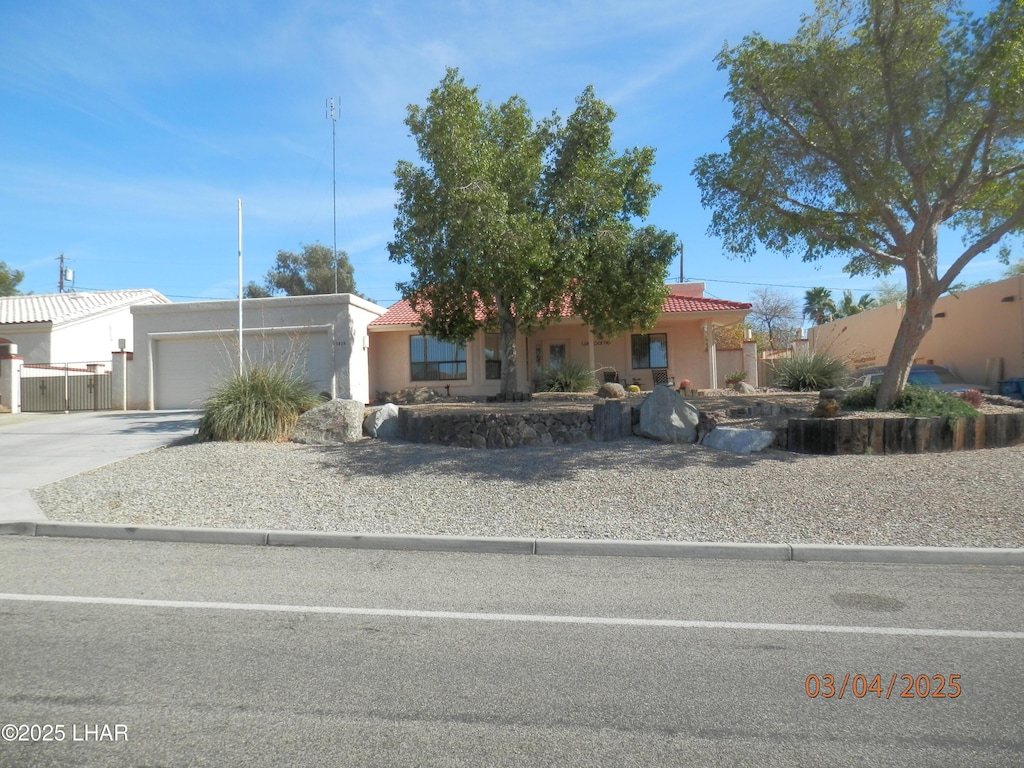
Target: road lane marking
(517, 617)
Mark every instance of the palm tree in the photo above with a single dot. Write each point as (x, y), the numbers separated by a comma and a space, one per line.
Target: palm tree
(848, 307)
(818, 305)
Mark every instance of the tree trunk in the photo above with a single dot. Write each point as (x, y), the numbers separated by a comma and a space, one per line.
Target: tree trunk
(917, 320)
(507, 327)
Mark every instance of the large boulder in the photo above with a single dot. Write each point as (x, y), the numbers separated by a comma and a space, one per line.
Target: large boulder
(739, 440)
(666, 416)
(612, 390)
(339, 421)
(382, 422)
(743, 388)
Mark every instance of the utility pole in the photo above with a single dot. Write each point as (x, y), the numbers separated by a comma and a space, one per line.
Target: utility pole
(65, 274)
(332, 115)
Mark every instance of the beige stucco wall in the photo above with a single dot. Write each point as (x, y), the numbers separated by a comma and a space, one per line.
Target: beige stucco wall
(982, 324)
(348, 315)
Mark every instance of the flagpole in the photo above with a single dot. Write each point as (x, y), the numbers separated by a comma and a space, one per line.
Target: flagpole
(240, 369)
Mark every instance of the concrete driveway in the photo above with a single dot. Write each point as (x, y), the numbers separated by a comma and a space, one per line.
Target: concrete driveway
(38, 449)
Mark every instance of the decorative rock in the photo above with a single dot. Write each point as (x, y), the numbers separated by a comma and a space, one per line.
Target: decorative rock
(707, 421)
(743, 388)
(612, 390)
(835, 393)
(739, 440)
(339, 421)
(382, 422)
(414, 396)
(666, 416)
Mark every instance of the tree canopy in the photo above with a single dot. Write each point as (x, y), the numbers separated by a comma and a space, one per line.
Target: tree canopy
(306, 273)
(879, 123)
(509, 220)
(9, 279)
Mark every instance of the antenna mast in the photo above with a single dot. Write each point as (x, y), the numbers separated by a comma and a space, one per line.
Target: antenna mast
(332, 115)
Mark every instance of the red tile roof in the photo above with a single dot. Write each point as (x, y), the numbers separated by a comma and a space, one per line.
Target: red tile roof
(401, 313)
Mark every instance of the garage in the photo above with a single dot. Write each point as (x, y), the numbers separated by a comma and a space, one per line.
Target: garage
(183, 352)
(188, 367)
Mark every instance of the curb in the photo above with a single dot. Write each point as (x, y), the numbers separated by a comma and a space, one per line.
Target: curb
(525, 546)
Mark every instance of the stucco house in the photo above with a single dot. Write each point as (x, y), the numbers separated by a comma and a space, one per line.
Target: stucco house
(979, 333)
(184, 350)
(679, 346)
(71, 327)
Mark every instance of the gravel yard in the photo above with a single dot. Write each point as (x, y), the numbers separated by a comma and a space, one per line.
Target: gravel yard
(633, 489)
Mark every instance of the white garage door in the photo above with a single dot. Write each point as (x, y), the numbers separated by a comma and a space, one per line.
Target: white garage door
(186, 370)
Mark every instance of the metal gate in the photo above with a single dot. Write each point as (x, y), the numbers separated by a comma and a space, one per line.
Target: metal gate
(65, 387)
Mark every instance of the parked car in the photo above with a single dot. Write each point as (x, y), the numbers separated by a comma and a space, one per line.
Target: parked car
(934, 376)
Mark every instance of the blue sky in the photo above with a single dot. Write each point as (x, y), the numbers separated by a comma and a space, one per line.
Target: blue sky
(130, 129)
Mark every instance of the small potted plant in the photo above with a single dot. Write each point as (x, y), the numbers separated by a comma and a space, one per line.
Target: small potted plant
(733, 379)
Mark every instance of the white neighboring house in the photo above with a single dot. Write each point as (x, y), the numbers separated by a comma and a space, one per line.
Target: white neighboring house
(71, 327)
(182, 352)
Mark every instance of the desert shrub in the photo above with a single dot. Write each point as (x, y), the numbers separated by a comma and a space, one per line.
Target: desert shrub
(931, 403)
(809, 373)
(972, 397)
(860, 399)
(735, 377)
(567, 377)
(914, 400)
(635, 389)
(826, 409)
(263, 403)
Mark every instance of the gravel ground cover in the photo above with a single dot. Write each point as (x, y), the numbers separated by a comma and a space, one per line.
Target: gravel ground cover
(633, 489)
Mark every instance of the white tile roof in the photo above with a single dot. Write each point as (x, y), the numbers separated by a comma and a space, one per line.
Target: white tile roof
(63, 307)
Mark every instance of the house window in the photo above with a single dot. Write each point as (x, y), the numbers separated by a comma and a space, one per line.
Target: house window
(434, 360)
(492, 355)
(650, 350)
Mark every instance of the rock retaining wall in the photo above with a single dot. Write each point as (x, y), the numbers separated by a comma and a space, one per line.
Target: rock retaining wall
(496, 430)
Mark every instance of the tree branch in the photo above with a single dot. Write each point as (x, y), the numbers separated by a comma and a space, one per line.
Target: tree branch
(1013, 221)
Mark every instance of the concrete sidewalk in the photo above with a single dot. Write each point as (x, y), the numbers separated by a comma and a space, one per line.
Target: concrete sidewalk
(39, 449)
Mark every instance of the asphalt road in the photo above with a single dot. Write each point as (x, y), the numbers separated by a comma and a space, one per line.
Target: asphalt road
(213, 655)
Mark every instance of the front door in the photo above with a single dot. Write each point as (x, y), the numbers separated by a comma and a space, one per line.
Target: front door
(558, 353)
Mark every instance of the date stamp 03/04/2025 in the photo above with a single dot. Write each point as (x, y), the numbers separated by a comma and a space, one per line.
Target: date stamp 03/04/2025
(898, 686)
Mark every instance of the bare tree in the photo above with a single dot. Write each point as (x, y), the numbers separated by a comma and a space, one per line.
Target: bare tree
(776, 314)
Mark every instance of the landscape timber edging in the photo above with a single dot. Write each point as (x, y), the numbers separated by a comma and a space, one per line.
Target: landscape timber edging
(903, 434)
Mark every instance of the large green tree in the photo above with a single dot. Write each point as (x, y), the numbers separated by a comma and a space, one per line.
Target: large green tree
(302, 274)
(878, 124)
(9, 279)
(509, 220)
